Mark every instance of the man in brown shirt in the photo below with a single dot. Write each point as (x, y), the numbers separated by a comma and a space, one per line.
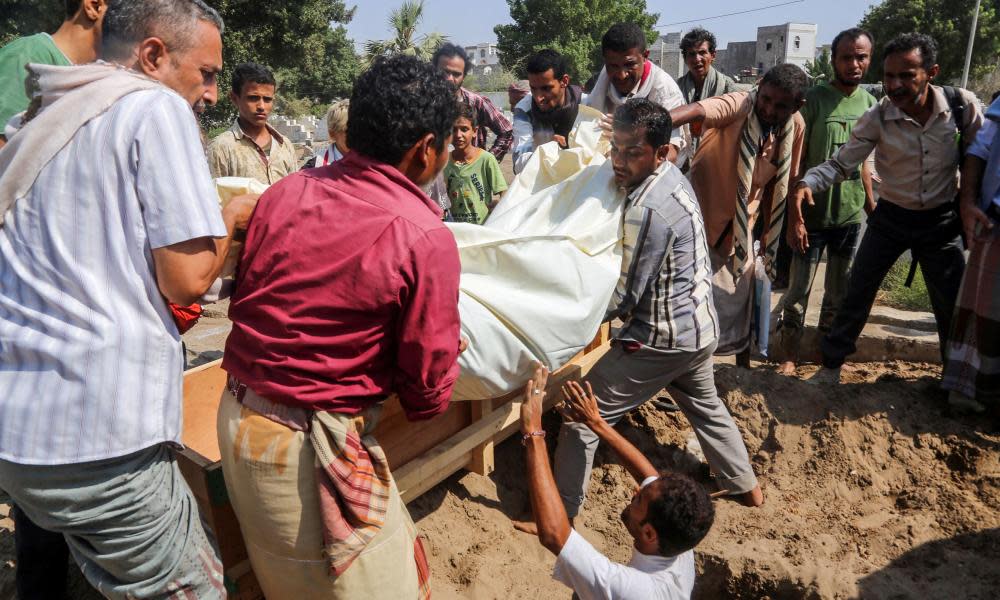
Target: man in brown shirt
(251, 147)
(747, 159)
(914, 132)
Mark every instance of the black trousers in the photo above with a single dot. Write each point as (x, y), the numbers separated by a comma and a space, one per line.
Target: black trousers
(934, 239)
(42, 559)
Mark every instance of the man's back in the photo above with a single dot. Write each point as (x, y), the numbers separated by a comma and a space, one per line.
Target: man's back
(357, 254)
(83, 325)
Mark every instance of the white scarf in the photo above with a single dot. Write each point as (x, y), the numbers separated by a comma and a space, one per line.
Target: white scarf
(67, 98)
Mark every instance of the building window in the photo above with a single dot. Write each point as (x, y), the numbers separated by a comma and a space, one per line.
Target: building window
(798, 42)
(768, 45)
(482, 54)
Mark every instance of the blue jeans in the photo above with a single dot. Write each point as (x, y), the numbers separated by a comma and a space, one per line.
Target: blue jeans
(840, 244)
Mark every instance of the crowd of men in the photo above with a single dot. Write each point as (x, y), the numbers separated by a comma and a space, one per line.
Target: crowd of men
(346, 294)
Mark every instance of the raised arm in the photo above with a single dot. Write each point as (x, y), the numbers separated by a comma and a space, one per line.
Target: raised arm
(546, 504)
(581, 406)
(686, 114)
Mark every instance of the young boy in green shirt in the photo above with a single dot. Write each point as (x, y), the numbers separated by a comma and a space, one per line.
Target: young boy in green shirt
(473, 177)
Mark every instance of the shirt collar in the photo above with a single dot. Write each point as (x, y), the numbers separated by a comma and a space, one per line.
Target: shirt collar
(238, 132)
(360, 162)
(649, 563)
(639, 189)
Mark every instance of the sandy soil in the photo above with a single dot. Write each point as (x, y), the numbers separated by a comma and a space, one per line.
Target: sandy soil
(873, 491)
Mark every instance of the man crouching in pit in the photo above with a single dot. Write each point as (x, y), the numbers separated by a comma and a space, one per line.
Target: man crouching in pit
(664, 297)
(669, 514)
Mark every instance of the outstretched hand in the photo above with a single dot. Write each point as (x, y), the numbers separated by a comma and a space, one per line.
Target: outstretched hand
(581, 406)
(534, 393)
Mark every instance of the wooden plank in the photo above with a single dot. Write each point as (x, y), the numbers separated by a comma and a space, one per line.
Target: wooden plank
(404, 440)
(439, 462)
(203, 387)
(416, 489)
(482, 461)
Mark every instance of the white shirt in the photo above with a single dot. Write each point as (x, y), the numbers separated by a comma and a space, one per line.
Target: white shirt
(90, 359)
(594, 576)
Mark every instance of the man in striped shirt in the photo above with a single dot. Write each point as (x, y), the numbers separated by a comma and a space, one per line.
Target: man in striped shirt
(453, 62)
(664, 297)
(112, 213)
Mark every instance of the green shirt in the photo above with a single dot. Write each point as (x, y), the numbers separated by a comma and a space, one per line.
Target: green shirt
(830, 116)
(38, 48)
(471, 187)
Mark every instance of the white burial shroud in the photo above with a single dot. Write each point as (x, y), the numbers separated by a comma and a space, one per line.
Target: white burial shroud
(537, 277)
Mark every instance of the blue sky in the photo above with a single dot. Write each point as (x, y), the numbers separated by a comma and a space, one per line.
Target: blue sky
(472, 21)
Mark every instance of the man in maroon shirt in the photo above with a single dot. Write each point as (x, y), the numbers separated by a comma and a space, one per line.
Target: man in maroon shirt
(347, 294)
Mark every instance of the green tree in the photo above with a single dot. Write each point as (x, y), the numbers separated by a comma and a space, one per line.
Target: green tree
(571, 27)
(303, 41)
(20, 18)
(404, 21)
(496, 81)
(820, 69)
(948, 22)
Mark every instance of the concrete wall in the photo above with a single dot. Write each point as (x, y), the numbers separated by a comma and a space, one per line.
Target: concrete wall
(792, 43)
(736, 57)
(666, 54)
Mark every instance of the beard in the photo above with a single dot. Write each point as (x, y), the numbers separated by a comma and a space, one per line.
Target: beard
(848, 81)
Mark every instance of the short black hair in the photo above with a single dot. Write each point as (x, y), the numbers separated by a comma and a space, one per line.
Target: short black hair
(72, 7)
(850, 34)
(546, 59)
(465, 111)
(788, 77)
(695, 37)
(642, 112)
(906, 42)
(622, 37)
(250, 73)
(680, 512)
(395, 103)
(450, 50)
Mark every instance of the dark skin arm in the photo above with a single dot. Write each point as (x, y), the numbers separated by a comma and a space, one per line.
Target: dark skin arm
(581, 406)
(689, 113)
(546, 504)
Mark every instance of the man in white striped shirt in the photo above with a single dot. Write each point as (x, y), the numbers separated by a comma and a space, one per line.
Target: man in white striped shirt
(664, 297)
(107, 212)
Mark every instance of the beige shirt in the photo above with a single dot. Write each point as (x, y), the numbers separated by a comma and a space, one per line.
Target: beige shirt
(713, 173)
(234, 154)
(918, 164)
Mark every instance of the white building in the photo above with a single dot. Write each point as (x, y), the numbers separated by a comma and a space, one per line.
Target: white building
(789, 43)
(483, 57)
(666, 54)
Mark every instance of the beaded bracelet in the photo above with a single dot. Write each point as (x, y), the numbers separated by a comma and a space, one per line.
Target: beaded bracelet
(527, 436)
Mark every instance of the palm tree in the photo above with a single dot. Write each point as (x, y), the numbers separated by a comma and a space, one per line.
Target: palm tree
(404, 21)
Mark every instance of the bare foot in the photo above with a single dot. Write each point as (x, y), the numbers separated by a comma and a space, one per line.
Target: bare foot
(753, 498)
(786, 368)
(526, 527)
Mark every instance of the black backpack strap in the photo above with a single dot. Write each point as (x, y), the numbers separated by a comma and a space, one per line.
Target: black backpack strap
(957, 105)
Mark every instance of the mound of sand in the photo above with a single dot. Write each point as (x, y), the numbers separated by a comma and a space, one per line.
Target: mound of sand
(873, 491)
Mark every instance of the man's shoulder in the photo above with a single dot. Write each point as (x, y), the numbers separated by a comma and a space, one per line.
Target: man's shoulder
(523, 107)
(224, 140)
(39, 47)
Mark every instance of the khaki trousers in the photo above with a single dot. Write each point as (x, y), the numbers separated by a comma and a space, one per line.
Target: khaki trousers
(270, 473)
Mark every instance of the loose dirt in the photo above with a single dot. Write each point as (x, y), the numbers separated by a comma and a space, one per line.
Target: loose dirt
(873, 490)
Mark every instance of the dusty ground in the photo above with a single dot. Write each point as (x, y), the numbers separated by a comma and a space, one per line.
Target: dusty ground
(873, 491)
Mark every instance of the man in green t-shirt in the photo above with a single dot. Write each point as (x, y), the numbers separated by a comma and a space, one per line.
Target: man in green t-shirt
(833, 222)
(77, 41)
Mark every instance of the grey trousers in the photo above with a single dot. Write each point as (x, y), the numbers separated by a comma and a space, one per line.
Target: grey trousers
(131, 523)
(622, 382)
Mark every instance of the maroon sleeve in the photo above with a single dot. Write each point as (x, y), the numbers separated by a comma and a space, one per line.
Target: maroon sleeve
(428, 329)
